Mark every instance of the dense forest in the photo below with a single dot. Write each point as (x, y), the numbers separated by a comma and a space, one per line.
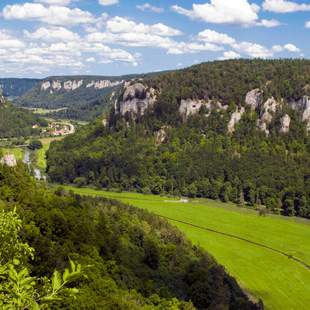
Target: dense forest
(17, 122)
(197, 156)
(83, 103)
(119, 257)
(13, 87)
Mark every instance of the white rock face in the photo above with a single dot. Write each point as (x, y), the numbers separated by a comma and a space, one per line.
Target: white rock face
(2, 99)
(235, 119)
(45, 85)
(161, 135)
(303, 105)
(285, 124)
(56, 85)
(72, 85)
(269, 107)
(137, 99)
(9, 160)
(191, 107)
(254, 98)
(103, 84)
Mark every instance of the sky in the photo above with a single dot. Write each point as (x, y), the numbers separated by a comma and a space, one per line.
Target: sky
(40, 38)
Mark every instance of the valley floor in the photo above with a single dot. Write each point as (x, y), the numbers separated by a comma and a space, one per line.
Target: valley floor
(267, 255)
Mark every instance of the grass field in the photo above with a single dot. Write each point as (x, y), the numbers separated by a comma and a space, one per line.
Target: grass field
(281, 282)
(41, 153)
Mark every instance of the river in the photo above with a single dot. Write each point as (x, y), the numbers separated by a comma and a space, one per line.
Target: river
(36, 172)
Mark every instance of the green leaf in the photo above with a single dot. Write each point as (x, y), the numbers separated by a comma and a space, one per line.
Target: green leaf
(56, 281)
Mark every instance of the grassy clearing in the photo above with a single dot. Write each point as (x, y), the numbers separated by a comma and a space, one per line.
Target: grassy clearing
(279, 281)
(41, 153)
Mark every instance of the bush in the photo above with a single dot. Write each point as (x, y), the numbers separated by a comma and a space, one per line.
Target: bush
(35, 145)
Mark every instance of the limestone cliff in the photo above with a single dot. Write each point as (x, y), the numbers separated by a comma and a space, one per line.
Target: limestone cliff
(136, 99)
(235, 119)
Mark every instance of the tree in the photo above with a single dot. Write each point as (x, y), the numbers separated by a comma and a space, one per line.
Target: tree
(18, 289)
(35, 145)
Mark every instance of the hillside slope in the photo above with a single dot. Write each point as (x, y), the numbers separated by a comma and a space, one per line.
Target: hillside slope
(17, 122)
(250, 246)
(132, 259)
(85, 97)
(13, 87)
(234, 130)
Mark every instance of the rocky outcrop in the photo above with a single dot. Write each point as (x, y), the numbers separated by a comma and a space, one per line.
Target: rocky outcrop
(2, 99)
(192, 106)
(285, 124)
(71, 85)
(103, 84)
(235, 119)
(136, 100)
(268, 110)
(9, 160)
(303, 105)
(56, 85)
(45, 85)
(161, 135)
(254, 98)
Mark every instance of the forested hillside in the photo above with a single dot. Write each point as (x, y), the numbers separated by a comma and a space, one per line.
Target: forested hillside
(129, 258)
(84, 97)
(13, 87)
(16, 122)
(234, 130)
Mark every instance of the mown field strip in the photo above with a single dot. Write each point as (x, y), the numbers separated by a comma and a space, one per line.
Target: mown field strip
(240, 238)
(256, 250)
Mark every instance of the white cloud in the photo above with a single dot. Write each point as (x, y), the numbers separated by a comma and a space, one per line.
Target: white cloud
(307, 24)
(227, 12)
(212, 36)
(90, 59)
(248, 49)
(119, 30)
(108, 2)
(287, 47)
(54, 2)
(291, 48)
(52, 34)
(54, 15)
(55, 48)
(149, 7)
(259, 51)
(268, 23)
(230, 55)
(253, 49)
(284, 6)
(222, 11)
(178, 48)
(122, 25)
(9, 42)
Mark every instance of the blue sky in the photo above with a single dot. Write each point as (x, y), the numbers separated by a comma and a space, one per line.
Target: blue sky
(39, 38)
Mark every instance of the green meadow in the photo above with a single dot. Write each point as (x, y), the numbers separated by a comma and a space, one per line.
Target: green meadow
(41, 153)
(279, 280)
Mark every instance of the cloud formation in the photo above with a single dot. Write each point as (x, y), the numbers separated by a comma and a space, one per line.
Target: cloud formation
(284, 6)
(54, 15)
(108, 2)
(149, 7)
(226, 12)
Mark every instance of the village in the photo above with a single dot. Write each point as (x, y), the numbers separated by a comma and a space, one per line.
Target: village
(58, 129)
